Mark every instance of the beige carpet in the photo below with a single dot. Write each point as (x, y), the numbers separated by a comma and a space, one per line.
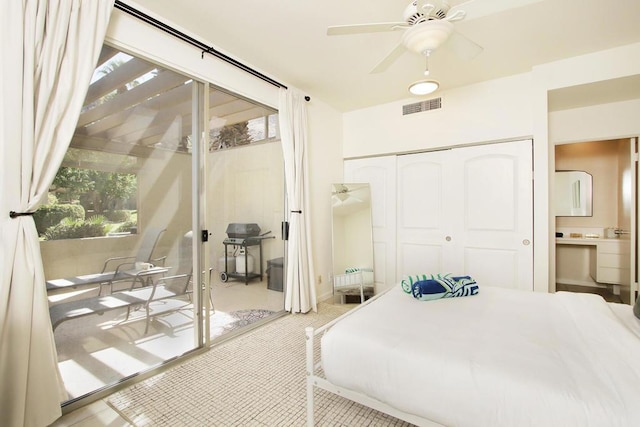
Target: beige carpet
(257, 379)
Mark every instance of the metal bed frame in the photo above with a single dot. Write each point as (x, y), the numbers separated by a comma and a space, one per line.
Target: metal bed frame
(315, 378)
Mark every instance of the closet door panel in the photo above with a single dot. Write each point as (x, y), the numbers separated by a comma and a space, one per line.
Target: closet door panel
(495, 236)
(380, 173)
(420, 207)
(493, 267)
(420, 258)
(424, 217)
(490, 192)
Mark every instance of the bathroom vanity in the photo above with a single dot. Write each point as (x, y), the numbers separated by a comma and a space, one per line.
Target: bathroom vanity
(609, 259)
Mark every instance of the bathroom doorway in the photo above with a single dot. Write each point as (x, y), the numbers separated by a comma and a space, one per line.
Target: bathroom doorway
(596, 253)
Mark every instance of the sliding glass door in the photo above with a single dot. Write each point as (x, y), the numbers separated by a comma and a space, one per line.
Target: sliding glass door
(245, 211)
(156, 159)
(117, 234)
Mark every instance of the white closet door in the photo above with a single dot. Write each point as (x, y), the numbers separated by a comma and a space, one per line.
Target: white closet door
(380, 173)
(423, 214)
(468, 211)
(494, 234)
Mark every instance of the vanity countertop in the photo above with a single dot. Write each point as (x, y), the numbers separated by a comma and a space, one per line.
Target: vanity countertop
(584, 240)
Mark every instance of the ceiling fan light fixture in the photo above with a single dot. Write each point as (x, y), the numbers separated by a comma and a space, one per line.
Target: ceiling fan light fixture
(423, 87)
(427, 36)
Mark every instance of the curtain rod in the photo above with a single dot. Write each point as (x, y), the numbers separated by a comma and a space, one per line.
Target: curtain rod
(200, 45)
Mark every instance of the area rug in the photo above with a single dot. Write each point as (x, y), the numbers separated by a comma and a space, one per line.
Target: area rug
(246, 317)
(255, 379)
(223, 322)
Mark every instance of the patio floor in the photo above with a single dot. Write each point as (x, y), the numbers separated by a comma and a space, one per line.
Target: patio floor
(99, 350)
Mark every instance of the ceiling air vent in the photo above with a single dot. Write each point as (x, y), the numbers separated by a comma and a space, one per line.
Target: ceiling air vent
(418, 107)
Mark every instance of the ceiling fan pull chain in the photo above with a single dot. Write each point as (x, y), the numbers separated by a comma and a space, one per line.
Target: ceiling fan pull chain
(427, 53)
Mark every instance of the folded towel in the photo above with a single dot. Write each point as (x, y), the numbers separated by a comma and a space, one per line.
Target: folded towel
(408, 281)
(436, 287)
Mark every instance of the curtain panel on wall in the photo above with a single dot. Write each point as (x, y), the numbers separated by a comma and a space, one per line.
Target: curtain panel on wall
(300, 290)
(50, 49)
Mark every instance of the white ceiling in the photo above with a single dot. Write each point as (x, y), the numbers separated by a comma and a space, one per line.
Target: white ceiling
(286, 40)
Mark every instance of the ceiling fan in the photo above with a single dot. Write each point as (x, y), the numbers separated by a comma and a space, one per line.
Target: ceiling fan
(427, 26)
(349, 193)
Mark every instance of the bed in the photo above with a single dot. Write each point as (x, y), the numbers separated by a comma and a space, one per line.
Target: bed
(500, 358)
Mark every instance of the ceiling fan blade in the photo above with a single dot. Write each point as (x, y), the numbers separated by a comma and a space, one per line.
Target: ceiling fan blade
(389, 59)
(340, 30)
(463, 47)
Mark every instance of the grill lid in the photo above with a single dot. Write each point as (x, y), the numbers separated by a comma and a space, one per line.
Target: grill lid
(242, 230)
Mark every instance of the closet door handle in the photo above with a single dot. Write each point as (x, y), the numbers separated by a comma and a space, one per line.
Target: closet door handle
(526, 242)
(448, 238)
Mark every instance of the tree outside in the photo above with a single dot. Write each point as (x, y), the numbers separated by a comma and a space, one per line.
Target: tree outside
(88, 203)
(233, 135)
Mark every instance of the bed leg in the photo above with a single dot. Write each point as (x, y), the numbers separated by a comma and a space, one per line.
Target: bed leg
(310, 362)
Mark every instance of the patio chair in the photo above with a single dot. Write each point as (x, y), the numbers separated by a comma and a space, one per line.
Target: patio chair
(164, 288)
(114, 269)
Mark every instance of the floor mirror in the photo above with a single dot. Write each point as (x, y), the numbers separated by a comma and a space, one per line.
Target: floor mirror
(352, 240)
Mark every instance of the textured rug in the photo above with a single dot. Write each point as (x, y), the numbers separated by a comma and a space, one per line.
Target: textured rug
(255, 379)
(242, 318)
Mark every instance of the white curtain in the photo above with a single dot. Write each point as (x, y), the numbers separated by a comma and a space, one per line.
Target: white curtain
(49, 49)
(300, 291)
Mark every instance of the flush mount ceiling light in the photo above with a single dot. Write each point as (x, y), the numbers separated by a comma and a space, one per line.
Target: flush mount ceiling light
(423, 87)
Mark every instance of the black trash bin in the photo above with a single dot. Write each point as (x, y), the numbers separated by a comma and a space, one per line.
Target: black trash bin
(274, 274)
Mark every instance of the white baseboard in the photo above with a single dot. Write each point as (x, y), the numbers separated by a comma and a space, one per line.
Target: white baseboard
(325, 296)
(579, 283)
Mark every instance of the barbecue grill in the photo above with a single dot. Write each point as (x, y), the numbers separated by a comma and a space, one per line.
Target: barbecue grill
(243, 235)
(238, 233)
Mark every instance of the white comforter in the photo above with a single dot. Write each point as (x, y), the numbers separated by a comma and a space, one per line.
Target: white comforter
(500, 358)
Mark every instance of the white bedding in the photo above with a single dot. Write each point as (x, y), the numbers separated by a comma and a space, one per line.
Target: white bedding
(500, 358)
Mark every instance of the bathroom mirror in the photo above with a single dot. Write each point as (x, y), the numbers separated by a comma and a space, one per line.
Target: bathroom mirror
(573, 193)
(352, 240)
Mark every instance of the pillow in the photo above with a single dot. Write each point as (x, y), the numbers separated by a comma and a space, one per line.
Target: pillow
(636, 308)
(440, 287)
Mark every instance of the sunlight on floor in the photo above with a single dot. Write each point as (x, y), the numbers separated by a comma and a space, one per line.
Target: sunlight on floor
(99, 350)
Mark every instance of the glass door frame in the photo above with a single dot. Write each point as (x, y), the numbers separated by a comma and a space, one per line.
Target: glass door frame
(201, 283)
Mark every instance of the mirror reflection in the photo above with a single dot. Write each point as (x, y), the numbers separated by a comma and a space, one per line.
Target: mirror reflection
(573, 193)
(352, 239)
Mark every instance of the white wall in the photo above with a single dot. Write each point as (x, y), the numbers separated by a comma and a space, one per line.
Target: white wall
(489, 111)
(596, 122)
(325, 168)
(132, 35)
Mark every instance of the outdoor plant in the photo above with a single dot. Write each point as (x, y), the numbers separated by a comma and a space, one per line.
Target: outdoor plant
(118, 215)
(130, 226)
(70, 228)
(51, 214)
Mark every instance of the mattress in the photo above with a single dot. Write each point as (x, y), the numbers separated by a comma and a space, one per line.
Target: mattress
(500, 358)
